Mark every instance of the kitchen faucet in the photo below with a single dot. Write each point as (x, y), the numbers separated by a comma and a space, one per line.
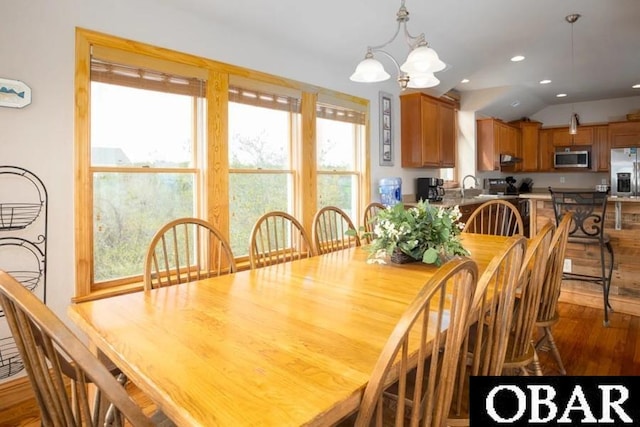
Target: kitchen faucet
(475, 180)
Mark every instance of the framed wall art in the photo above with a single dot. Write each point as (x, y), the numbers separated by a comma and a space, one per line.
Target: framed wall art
(386, 129)
(14, 94)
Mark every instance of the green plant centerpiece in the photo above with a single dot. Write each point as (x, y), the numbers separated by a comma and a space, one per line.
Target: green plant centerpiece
(426, 233)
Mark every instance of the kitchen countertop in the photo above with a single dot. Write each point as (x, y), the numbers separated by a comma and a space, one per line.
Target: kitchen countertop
(461, 201)
(535, 195)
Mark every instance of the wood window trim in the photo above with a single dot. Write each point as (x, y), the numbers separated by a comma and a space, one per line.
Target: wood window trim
(215, 180)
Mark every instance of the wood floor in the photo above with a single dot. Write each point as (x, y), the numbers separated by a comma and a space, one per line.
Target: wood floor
(587, 348)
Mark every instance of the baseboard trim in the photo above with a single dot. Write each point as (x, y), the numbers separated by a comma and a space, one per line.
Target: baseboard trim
(15, 391)
(594, 300)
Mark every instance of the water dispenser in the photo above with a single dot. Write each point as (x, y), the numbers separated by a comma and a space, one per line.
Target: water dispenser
(390, 191)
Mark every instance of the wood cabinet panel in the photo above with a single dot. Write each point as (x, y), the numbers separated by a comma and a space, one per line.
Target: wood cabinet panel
(530, 145)
(562, 138)
(495, 137)
(545, 153)
(601, 150)
(448, 136)
(624, 134)
(428, 131)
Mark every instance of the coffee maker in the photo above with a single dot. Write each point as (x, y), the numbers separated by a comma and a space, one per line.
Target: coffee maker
(430, 189)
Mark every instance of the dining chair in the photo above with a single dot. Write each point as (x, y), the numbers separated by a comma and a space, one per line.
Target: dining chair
(485, 347)
(59, 366)
(427, 337)
(521, 350)
(329, 230)
(496, 217)
(370, 212)
(278, 237)
(589, 210)
(548, 314)
(184, 250)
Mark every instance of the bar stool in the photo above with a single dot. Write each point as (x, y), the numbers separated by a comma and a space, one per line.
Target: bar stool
(589, 209)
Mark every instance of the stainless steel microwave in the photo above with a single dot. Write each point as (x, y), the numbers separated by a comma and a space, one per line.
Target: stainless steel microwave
(572, 159)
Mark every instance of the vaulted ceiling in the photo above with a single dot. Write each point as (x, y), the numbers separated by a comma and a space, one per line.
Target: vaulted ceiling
(476, 39)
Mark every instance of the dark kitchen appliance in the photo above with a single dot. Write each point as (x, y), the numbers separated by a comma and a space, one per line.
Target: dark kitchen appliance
(526, 185)
(501, 186)
(430, 189)
(511, 188)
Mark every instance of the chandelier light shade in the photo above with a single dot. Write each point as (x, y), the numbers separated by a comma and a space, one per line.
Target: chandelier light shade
(369, 70)
(573, 122)
(417, 70)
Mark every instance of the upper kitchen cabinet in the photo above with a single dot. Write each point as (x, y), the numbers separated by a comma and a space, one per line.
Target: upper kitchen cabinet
(601, 150)
(560, 137)
(428, 131)
(624, 134)
(545, 152)
(530, 132)
(496, 138)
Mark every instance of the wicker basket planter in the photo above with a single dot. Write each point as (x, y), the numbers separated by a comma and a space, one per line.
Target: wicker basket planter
(399, 257)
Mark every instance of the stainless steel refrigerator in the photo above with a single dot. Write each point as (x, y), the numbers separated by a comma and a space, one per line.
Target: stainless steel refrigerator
(624, 172)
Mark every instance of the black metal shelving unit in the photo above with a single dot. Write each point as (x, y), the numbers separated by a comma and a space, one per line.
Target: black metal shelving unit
(23, 246)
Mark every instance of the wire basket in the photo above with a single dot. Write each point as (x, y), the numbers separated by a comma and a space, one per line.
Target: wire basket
(16, 216)
(10, 360)
(29, 280)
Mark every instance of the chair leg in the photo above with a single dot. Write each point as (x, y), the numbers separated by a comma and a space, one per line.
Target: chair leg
(554, 350)
(605, 287)
(610, 275)
(537, 369)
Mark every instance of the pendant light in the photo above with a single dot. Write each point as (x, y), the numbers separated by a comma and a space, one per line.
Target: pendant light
(574, 122)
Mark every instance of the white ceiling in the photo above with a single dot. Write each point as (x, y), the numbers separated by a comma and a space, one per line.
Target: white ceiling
(475, 38)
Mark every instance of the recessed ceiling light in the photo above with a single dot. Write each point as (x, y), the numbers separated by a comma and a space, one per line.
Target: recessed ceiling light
(636, 86)
(464, 81)
(545, 82)
(517, 58)
(561, 95)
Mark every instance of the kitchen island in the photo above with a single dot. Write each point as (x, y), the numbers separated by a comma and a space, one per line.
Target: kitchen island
(622, 224)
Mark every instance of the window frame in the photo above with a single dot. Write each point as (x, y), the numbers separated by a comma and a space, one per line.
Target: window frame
(213, 182)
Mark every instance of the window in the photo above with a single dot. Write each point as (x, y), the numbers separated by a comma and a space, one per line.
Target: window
(162, 134)
(263, 128)
(339, 135)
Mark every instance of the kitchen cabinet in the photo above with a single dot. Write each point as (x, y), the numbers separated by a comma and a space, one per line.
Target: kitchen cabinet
(495, 137)
(601, 150)
(545, 152)
(624, 134)
(530, 132)
(562, 138)
(428, 131)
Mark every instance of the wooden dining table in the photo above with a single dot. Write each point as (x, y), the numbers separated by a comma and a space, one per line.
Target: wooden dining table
(285, 345)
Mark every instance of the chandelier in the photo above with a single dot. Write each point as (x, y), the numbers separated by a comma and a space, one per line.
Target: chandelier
(416, 72)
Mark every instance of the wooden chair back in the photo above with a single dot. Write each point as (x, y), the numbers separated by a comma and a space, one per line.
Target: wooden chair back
(485, 347)
(496, 217)
(553, 275)
(328, 230)
(440, 310)
(54, 358)
(369, 214)
(278, 237)
(184, 250)
(493, 306)
(520, 350)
